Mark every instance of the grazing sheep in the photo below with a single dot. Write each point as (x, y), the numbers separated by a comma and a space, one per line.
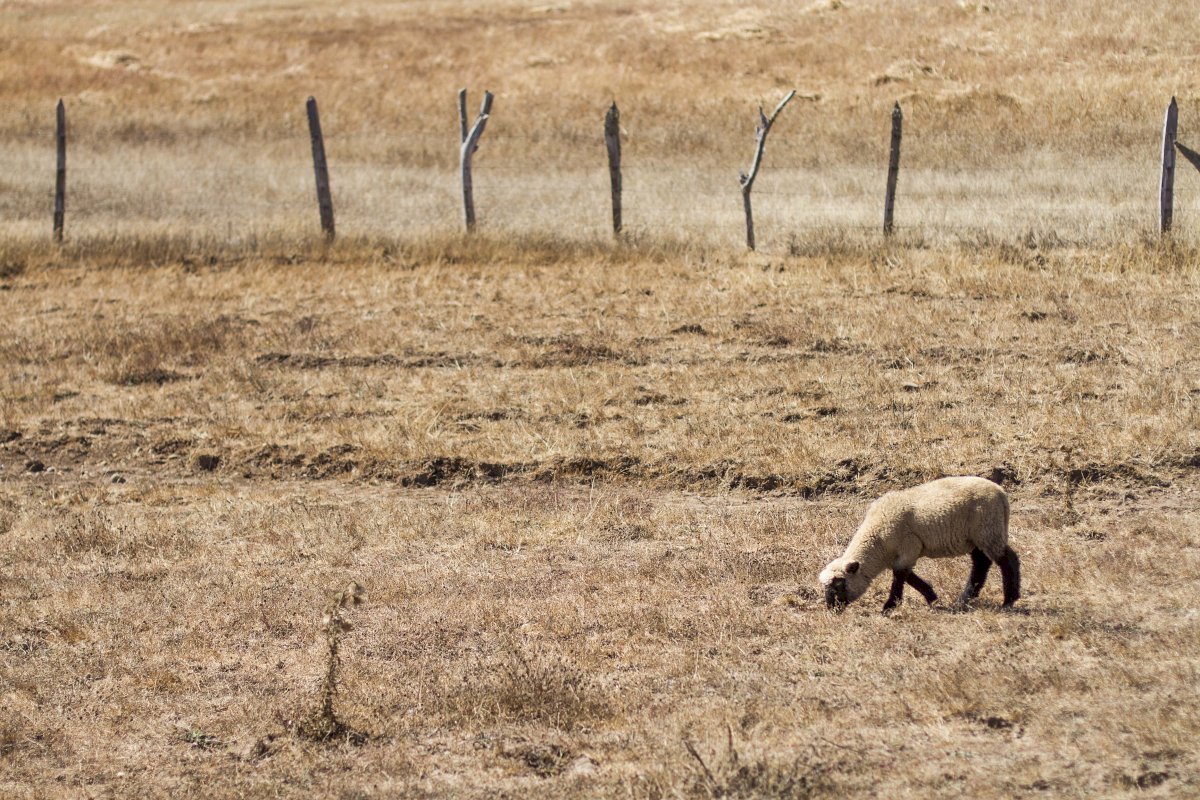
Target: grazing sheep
(941, 519)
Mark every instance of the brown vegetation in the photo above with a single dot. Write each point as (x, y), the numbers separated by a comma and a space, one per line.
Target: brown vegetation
(587, 486)
(188, 120)
(589, 499)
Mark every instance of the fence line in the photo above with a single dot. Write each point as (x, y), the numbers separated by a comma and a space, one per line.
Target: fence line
(814, 200)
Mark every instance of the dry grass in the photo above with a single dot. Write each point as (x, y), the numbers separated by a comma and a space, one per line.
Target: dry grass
(187, 120)
(589, 486)
(632, 471)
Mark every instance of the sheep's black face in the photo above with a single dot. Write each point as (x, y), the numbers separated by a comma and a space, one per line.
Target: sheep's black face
(835, 595)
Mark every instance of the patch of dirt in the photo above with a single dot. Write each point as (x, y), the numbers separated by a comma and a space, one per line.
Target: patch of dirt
(492, 415)
(169, 447)
(839, 344)
(1145, 780)
(329, 463)
(1130, 473)
(584, 467)
(994, 723)
(1085, 355)
(573, 351)
(454, 469)
(817, 412)
(546, 760)
(658, 399)
(417, 361)
(690, 328)
(206, 462)
(155, 375)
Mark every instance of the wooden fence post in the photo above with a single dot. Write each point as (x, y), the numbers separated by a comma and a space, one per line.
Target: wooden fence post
(321, 169)
(889, 200)
(1166, 186)
(612, 140)
(470, 143)
(747, 180)
(60, 176)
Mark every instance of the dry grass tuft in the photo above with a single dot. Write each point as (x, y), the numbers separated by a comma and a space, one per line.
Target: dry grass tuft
(533, 684)
(736, 775)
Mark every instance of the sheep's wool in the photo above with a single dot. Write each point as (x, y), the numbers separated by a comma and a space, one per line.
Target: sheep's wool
(941, 519)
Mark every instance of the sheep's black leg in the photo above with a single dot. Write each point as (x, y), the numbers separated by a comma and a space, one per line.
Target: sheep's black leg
(1010, 572)
(897, 593)
(921, 586)
(980, 564)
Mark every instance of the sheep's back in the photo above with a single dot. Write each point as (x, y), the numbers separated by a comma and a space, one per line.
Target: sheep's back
(952, 516)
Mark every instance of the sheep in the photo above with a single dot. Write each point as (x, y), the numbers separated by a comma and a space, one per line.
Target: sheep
(940, 519)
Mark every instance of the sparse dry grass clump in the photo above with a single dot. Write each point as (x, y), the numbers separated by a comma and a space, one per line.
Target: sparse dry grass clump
(589, 484)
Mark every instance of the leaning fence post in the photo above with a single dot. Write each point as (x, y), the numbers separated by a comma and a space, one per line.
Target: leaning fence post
(1166, 186)
(747, 180)
(321, 169)
(60, 176)
(612, 140)
(470, 143)
(889, 200)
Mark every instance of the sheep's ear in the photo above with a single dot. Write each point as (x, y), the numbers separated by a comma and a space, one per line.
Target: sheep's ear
(852, 568)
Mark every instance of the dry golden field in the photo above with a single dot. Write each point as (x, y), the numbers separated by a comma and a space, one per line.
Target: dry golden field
(587, 487)
(1023, 121)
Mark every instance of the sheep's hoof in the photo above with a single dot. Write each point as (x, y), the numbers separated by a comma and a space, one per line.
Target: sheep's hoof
(959, 607)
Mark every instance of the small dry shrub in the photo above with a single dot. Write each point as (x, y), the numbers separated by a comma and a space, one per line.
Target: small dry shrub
(536, 684)
(735, 776)
(323, 723)
(150, 352)
(8, 515)
(95, 530)
(18, 736)
(629, 519)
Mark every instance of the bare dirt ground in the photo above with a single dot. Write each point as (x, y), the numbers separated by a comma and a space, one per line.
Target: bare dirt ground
(588, 500)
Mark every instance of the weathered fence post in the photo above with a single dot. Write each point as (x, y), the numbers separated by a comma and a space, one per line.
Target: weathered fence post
(1166, 186)
(612, 140)
(470, 143)
(60, 176)
(747, 180)
(889, 200)
(321, 169)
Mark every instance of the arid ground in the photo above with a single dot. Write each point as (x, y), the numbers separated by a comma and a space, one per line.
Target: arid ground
(587, 486)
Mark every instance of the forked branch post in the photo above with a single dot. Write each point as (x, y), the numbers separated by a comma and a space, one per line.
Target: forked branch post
(1191, 155)
(470, 143)
(746, 180)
